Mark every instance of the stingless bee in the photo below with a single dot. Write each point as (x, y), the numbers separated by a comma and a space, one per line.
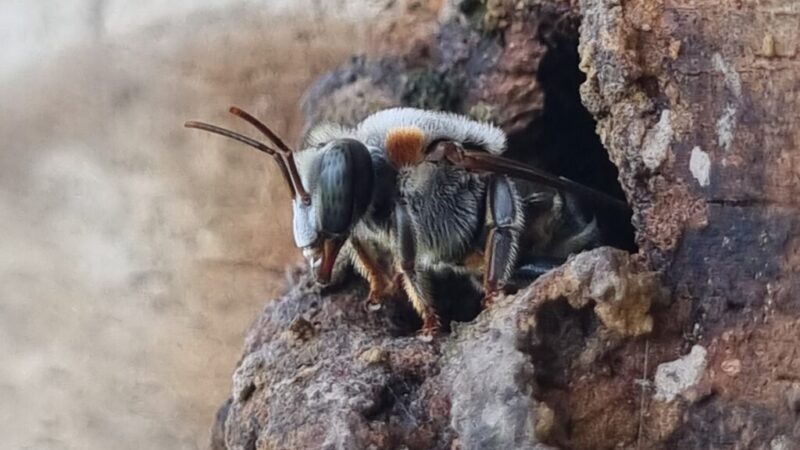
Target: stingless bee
(408, 193)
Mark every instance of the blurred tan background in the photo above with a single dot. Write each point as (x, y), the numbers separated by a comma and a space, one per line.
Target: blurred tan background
(134, 252)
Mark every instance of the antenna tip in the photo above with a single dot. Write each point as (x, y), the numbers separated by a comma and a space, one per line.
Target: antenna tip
(235, 110)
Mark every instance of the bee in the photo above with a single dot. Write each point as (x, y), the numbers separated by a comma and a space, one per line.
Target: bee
(409, 193)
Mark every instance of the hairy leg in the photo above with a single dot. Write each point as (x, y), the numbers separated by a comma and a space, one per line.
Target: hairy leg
(380, 283)
(506, 220)
(415, 283)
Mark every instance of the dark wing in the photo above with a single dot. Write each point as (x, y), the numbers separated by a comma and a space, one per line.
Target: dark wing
(480, 161)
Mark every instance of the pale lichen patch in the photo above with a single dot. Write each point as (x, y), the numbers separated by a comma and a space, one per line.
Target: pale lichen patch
(726, 125)
(732, 80)
(657, 141)
(674, 377)
(700, 166)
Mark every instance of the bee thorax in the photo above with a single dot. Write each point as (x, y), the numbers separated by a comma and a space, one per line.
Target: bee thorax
(404, 146)
(446, 207)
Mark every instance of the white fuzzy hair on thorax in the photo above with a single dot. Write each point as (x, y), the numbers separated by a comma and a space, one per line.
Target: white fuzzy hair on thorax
(434, 125)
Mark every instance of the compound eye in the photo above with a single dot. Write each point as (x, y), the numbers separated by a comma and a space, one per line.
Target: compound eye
(345, 185)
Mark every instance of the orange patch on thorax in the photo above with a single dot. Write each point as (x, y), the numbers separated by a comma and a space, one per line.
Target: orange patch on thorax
(404, 146)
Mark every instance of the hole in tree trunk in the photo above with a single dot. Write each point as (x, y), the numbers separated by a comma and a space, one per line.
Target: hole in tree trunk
(563, 140)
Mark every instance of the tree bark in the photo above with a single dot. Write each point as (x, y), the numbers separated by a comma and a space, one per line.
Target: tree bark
(697, 102)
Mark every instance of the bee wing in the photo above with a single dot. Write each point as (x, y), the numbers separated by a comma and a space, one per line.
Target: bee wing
(479, 161)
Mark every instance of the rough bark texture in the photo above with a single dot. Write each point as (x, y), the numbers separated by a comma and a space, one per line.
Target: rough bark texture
(696, 104)
(321, 372)
(689, 343)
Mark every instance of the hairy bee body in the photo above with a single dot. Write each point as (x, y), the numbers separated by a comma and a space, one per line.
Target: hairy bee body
(407, 194)
(447, 205)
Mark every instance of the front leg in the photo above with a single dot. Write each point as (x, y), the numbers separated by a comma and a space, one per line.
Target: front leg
(505, 222)
(415, 283)
(380, 283)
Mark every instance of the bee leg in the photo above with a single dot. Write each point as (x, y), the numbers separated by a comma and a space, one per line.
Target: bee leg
(415, 283)
(415, 286)
(380, 285)
(505, 222)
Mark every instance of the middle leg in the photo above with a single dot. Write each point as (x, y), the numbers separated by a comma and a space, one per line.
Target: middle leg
(506, 220)
(415, 282)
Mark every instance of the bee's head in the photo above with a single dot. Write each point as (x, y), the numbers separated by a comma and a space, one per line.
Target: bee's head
(339, 181)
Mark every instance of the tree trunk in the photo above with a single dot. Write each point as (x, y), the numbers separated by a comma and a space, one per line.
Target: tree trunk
(689, 341)
(697, 103)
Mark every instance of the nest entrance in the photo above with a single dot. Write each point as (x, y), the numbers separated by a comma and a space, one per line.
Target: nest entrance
(564, 137)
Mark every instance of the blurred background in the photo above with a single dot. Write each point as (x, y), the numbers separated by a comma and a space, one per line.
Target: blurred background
(133, 252)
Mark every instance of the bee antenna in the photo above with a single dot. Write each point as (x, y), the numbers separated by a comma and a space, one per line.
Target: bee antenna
(285, 151)
(248, 141)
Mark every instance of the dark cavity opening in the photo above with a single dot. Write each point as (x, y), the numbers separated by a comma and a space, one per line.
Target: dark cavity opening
(561, 335)
(563, 139)
(560, 339)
